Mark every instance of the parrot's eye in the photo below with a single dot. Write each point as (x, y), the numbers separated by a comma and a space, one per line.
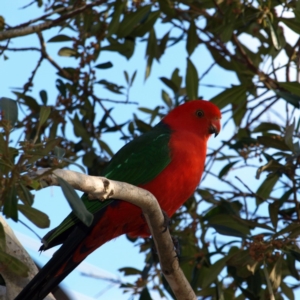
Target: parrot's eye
(200, 113)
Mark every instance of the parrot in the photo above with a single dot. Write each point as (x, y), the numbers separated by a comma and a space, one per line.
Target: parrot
(168, 161)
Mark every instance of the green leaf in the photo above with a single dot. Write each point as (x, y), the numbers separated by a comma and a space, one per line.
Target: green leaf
(9, 110)
(264, 126)
(167, 7)
(266, 188)
(67, 52)
(229, 96)
(76, 203)
(293, 87)
(215, 270)
(10, 205)
(191, 81)
(169, 83)
(192, 38)
(105, 147)
(130, 271)
(2, 238)
(290, 98)
(287, 291)
(274, 35)
(145, 295)
(131, 20)
(288, 137)
(270, 142)
(291, 264)
(225, 224)
(28, 197)
(29, 101)
(145, 27)
(60, 38)
(226, 168)
(105, 65)
(44, 114)
(37, 217)
(44, 97)
(13, 264)
(292, 23)
(273, 212)
(80, 130)
(114, 24)
(219, 58)
(166, 98)
(152, 51)
(276, 273)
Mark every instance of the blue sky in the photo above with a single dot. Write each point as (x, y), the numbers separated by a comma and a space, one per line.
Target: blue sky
(16, 70)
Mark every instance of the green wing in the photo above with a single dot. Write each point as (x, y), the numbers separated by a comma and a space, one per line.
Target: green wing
(138, 162)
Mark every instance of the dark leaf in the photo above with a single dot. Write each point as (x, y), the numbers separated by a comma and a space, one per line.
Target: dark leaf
(130, 271)
(290, 98)
(192, 38)
(60, 38)
(266, 188)
(106, 65)
(273, 142)
(292, 23)
(229, 95)
(44, 97)
(115, 22)
(264, 126)
(10, 205)
(226, 168)
(191, 81)
(9, 110)
(273, 212)
(145, 295)
(37, 217)
(76, 203)
(28, 197)
(131, 20)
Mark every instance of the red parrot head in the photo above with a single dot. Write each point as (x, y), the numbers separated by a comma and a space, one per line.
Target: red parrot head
(198, 116)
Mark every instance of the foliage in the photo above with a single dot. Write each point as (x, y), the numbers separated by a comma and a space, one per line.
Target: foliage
(252, 251)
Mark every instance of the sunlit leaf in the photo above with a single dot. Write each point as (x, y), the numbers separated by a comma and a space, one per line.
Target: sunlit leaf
(68, 52)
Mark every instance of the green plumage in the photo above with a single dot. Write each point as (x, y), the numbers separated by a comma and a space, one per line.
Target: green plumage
(137, 163)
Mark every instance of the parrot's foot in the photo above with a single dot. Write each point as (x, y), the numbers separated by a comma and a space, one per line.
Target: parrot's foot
(167, 221)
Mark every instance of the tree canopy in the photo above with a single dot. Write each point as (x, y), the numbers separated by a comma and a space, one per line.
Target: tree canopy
(237, 236)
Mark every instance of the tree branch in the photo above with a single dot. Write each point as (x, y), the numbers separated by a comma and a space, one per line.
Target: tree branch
(14, 283)
(21, 31)
(102, 189)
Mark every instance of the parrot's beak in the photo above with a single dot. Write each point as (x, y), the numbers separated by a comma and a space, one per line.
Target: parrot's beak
(215, 127)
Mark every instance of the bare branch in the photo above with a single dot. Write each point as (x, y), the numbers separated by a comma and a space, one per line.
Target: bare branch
(16, 32)
(102, 188)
